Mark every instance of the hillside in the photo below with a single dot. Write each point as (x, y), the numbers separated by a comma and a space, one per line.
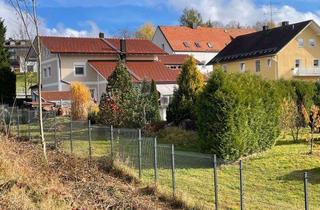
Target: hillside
(27, 182)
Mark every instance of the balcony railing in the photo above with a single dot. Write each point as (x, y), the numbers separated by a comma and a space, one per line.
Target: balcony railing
(306, 71)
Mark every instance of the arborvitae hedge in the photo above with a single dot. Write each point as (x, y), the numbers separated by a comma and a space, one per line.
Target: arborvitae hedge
(237, 115)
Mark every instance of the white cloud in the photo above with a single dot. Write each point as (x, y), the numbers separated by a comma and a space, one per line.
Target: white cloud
(13, 24)
(244, 11)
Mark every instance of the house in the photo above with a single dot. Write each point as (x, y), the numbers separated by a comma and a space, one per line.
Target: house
(92, 60)
(290, 51)
(201, 42)
(18, 50)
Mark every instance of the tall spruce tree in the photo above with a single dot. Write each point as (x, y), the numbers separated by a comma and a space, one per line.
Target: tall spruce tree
(153, 113)
(7, 78)
(190, 81)
(120, 105)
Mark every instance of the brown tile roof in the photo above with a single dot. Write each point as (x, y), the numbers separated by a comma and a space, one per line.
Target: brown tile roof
(182, 38)
(56, 95)
(174, 59)
(98, 46)
(139, 70)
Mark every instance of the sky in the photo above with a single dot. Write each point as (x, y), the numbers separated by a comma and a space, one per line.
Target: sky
(89, 17)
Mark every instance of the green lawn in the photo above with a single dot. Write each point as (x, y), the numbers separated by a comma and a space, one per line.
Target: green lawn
(20, 81)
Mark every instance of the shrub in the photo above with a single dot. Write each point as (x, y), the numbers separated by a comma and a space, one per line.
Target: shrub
(80, 99)
(190, 82)
(237, 115)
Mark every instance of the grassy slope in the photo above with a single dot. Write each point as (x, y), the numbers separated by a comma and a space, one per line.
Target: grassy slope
(27, 182)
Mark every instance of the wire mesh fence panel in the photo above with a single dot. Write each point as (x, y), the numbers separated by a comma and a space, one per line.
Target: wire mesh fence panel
(164, 168)
(23, 123)
(100, 141)
(80, 138)
(194, 179)
(147, 160)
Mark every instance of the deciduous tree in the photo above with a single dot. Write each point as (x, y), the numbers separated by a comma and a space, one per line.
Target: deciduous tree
(80, 100)
(190, 17)
(146, 31)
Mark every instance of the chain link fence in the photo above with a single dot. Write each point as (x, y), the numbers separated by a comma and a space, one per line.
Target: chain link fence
(200, 180)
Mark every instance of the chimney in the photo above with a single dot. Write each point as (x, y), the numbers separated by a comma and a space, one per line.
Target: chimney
(101, 35)
(264, 28)
(285, 23)
(123, 48)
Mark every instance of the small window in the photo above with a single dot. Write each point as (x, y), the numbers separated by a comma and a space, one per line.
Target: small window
(45, 73)
(269, 63)
(312, 42)
(49, 71)
(297, 63)
(79, 70)
(258, 69)
(29, 68)
(162, 45)
(224, 67)
(242, 67)
(300, 42)
(186, 44)
(209, 45)
(197, 44)
(316, 63)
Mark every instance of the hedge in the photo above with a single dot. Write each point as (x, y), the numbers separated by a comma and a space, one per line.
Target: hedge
(237, 115)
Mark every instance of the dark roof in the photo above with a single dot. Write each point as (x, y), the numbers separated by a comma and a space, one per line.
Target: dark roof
(260, 43)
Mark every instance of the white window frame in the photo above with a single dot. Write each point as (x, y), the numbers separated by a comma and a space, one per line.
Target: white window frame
(312, 40)
(258, 61)
(79, 65)
(49, 73)
(45, 72)
(300, 42)
(299, 63)
(242, 67)
(269, 63)
(318, 63)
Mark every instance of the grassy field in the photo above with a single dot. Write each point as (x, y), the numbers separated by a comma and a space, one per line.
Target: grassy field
(272, 179)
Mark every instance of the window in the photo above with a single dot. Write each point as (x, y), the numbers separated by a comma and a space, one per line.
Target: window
(269, 63)
(186, 44)
(45, 73)
(29, 68)
(300, 42)
(316, 63)
(258, 69)
(242, 67)
(162, 45)
(312, 42)
(197, 44)
(79, 70)
(49, 71)
(209, 45)
(297, 63)
(224, 67)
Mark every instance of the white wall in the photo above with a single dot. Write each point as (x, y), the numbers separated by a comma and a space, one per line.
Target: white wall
(160, 40)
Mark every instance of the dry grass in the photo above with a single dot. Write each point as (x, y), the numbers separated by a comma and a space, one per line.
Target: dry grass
(67, 182)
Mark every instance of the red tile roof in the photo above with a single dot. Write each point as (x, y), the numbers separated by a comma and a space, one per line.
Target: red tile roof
(98, 46)
(139, 70)
(218, 38)
(174, 59)
(56, 95)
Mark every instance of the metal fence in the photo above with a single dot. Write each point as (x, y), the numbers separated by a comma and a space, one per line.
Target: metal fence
(193, 177)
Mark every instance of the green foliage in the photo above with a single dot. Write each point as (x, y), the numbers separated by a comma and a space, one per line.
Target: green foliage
(238, 114)
(150, 100)
(190, 83)
(190, 17)
(7, 78)
(316, 97)
(121, 104)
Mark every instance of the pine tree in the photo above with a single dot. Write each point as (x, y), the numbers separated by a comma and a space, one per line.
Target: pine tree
(120, 105)
(7, 78)
(190, 83)
(153, 115)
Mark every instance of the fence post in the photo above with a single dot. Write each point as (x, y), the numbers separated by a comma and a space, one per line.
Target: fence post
(215, 179)
(306, 205)
(18, 122)
(29, 121)
(173, 168)
(241, 185)
(89, 135)
(155, 161)
(71, 144)
(140, 155)
(111, 138)
(55, 130)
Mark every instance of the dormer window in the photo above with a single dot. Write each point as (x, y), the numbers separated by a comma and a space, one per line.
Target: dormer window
(209, 45)
(186, 44)
(197, 44)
